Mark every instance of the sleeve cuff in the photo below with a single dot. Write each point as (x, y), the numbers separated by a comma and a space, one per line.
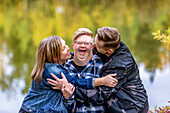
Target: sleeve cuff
(68, 100)
(93, 82)
(90, 83)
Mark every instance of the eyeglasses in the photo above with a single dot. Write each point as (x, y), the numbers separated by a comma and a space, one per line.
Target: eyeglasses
(85, 43)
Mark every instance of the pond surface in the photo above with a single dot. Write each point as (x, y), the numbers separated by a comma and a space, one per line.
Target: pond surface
(24, 23)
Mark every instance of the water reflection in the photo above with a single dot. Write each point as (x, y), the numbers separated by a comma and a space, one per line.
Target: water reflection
(23, 24)
(158, 92)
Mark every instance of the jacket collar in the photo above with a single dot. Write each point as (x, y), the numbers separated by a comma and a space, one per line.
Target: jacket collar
(49, 64)
(117, 50)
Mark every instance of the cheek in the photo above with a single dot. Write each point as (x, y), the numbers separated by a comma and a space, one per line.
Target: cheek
(74, 47)
(63, 53)
(89, 47)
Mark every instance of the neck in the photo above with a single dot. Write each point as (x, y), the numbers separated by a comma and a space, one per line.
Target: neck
(62, 63)
(82, 62)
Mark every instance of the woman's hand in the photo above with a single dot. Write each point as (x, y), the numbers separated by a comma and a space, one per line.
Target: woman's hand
(68, 90)
(57, 83)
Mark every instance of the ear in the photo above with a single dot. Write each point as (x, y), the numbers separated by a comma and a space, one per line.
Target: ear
(72, 44)
(93, 46)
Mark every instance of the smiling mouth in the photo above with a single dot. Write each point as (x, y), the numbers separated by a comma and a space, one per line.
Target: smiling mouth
(82, 51)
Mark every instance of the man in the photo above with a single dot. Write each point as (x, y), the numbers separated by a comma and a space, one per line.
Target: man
(85, 64)
(129, 95)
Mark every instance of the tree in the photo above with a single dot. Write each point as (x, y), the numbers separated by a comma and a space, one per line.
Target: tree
(163, 37)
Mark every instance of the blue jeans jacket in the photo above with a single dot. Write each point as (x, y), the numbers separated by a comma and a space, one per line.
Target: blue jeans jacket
(41, 98)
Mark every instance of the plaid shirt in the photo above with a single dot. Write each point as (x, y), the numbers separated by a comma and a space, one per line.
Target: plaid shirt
(91, 70)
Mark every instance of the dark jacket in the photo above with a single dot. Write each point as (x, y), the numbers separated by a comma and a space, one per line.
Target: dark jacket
(129, 95)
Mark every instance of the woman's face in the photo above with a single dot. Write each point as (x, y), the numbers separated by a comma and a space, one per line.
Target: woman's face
(65, 54)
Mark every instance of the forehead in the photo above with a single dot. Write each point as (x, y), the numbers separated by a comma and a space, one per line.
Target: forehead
(62, 42)
(84, 38)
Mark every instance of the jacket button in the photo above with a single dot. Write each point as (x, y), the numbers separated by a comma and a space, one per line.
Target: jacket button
(30, 110)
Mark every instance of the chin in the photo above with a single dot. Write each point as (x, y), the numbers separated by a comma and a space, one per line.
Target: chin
(82, 57)
(69, 56)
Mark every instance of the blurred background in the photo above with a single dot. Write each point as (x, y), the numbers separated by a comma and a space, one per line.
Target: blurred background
(24, 23)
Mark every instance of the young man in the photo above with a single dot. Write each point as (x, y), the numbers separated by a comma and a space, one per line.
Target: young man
(129, 95)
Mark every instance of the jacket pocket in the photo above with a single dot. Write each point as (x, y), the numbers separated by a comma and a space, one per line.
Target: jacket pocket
(125, 104)
(125, 100)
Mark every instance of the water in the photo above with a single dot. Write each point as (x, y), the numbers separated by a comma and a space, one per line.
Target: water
(158, 92)
(10, 103)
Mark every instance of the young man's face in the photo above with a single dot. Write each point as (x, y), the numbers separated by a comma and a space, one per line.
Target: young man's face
(83, 47)
(99, 46)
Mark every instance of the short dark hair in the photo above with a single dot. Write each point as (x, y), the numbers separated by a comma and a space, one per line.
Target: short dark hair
(110, 36)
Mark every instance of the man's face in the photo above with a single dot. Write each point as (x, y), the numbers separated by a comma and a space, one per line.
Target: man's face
(99, 46)
(83, 47)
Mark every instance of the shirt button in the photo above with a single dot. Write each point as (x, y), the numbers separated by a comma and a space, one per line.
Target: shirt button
(85, 109)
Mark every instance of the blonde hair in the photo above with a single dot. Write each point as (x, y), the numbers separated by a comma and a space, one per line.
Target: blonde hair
(49, 50)
(82, 31)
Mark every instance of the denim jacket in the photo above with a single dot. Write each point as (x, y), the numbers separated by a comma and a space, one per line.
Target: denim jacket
(41, 98)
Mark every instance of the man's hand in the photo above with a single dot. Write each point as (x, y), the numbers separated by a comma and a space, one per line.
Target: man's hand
(59, 82)
(68, 90)
(109, 81)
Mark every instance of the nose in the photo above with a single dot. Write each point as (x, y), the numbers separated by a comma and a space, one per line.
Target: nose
(68, 48)
(82, 44)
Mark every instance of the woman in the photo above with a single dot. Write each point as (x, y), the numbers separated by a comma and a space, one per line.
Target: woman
(50, 57)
